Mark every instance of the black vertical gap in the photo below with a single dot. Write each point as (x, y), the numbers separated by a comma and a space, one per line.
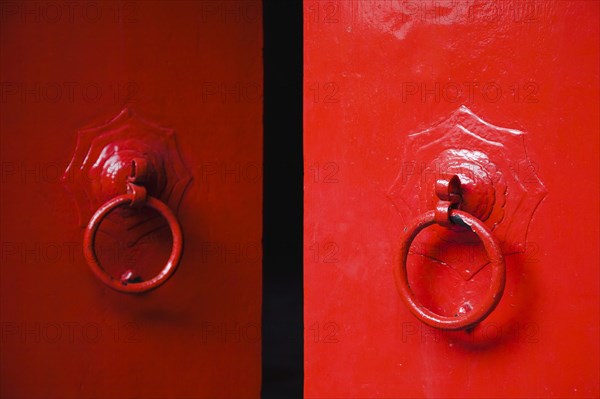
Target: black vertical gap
(282, 318)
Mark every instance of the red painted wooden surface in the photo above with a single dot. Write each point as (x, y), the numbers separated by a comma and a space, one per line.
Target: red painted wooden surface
(376, 72)
(194, 67)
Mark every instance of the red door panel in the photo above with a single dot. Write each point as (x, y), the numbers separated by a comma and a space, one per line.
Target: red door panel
(400, 94)
(191, 67)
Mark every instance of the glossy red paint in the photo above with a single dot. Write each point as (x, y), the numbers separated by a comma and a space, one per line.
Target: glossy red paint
(193, 68)
(504, 95)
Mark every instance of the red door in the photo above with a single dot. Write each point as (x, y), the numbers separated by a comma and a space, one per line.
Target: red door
(176, 89)
(451, 199)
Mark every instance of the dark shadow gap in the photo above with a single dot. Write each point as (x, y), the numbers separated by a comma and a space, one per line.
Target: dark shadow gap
(282, 323)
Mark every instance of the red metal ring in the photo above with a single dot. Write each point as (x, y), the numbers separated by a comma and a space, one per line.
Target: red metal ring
(492, 248)
(132, 288)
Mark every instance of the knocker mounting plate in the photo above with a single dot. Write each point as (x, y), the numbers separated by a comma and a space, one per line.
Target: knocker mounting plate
(101, 164)
(499, 186)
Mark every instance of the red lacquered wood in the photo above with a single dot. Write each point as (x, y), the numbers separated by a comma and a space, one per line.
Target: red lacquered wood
(399, 94)
(189, 74)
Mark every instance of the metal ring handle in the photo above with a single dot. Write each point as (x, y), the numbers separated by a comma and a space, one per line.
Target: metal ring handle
(494, 253)
(132, 287)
